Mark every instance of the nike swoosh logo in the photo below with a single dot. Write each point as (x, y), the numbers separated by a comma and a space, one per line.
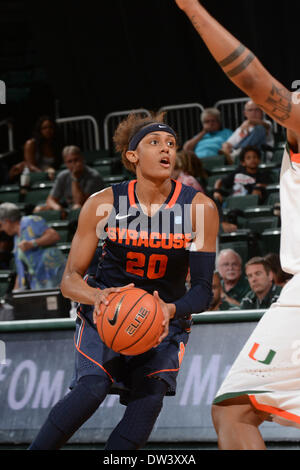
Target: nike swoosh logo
(112, 321)
(119, 217)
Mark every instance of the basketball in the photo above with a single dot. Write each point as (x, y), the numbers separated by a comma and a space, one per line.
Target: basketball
(131, 323)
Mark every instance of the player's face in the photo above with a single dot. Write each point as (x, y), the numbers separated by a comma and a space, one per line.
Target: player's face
(156, 154)
(259, 280)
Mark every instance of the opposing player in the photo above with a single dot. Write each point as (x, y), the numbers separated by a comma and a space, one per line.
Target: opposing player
(156, 228)
(264, 382)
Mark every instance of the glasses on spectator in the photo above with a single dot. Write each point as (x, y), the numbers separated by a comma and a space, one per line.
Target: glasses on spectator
(229, 265)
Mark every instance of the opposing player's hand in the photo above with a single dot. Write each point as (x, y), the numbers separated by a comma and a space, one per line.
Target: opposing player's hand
(101, 298)
(168, 311)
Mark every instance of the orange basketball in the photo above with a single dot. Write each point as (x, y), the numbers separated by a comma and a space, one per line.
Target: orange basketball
(131, 323)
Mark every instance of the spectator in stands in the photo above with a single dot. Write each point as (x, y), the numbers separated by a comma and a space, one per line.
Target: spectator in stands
(209, 141)
(255, 131)
(43, 151)
(219, 302)
(280, 278)
(234, 284)
(248, 178)
(189, 170)
(263, 291)
(39, 264)
(74, 185)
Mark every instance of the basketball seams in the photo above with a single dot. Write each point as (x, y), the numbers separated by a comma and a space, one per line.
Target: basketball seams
(137, 301)
(103, 315)
(139, 339)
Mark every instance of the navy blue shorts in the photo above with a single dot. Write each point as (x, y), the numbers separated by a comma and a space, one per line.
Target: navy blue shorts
(93, 357)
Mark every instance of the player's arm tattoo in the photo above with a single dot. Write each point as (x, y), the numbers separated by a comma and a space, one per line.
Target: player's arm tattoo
(278, 104)
(234, 56)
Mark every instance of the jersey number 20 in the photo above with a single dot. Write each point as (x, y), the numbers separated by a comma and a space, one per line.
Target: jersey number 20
(155, 268)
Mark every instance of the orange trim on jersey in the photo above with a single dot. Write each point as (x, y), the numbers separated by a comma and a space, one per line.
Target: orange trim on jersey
(275, 411)
(163, 370)
(85, 355)
(295, 157)
(131, 193)
(175, 195)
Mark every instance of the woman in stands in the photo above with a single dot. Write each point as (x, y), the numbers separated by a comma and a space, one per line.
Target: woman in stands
(43, 151)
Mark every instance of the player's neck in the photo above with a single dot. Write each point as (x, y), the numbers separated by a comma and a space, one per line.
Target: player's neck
(152, 192)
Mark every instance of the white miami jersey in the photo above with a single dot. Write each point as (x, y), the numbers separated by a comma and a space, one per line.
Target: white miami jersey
(290, 212)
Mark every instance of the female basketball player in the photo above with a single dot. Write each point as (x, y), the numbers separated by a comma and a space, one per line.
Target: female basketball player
(156, 229)
(262, 384)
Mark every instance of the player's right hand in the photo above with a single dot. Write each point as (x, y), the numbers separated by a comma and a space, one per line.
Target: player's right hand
(102, 298)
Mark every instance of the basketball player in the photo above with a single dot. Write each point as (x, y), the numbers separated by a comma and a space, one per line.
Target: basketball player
(264, 381)
(152, 238)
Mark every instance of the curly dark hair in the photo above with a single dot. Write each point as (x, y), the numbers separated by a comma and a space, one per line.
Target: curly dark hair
(128, 128)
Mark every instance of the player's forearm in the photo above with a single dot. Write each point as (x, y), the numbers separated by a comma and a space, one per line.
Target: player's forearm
(75, 288)
(237, 62)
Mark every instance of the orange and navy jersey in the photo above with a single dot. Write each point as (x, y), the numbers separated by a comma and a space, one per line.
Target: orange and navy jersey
(151, 252)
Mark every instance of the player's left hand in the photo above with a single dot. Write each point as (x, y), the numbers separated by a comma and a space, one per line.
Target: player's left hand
(168, 311)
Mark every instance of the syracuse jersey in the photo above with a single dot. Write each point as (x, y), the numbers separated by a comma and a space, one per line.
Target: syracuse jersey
(151, 252)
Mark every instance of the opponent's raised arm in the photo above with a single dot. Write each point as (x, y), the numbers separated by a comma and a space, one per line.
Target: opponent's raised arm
(243, 68)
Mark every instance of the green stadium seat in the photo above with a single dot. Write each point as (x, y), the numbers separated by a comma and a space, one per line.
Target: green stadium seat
(277, 156)
(215, 161)
(91, 156)
(38, 177)
(38, 193)
(271, 240)
(223, 170)
(7, 278)
(259, 211)
(259, 224)
(73, 214)
(64, 247)
(241, 202)
(50, 215)
(109, 180)
(240, 246)
(63, 228)
(273, 198)
(10, 193)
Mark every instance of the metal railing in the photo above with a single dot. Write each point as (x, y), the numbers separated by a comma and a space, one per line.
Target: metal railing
(112, 120)
(232, 115)
(81, 131)
(185, 119)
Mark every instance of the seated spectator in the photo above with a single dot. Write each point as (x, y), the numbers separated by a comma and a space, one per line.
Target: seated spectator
(74, 185)
(187, 168)
(248, 178)
(263, 291)
(280, 278)
(209, 141)
(234, 284)
(39, 264)
(254, 131)
(219, 302)
(43, 151)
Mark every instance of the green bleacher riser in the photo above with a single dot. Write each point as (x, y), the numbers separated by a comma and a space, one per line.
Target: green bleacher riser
(10, 193)
(241, 202)
(62, 227)
(259, 224)
(215, 161)
(6, 277)
(270, 240)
